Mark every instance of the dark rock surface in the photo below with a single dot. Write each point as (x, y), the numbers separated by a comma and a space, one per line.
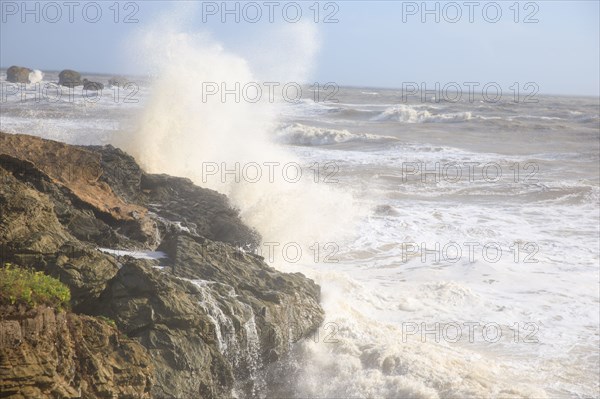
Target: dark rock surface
(118, 81)
(89, 85)
(69, 78)
(177, 200)
(212, 318)
(17, 74)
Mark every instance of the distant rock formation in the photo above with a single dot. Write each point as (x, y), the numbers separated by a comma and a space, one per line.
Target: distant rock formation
(89, 85)
(69, 78)
(212, 317)
(117, 81)
(17, 74)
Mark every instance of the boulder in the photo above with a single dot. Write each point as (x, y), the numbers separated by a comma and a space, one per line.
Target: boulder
(117, 81)
(69, 78)
(17, 74)
(89, 85)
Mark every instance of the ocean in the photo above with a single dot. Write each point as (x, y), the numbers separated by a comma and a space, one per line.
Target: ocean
(456, 242)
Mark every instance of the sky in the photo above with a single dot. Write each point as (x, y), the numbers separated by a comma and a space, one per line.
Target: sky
(555, 44)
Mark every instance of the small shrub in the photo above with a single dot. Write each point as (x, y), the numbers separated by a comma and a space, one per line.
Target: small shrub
(108, 321)
(24, 286)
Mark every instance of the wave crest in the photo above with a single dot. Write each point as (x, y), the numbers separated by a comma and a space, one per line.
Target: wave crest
(299, 134)
(406, 114)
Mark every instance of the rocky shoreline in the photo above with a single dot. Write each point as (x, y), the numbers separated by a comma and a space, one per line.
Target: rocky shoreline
(206, 321)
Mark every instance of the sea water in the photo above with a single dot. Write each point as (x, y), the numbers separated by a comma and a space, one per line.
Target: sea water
(455, 242)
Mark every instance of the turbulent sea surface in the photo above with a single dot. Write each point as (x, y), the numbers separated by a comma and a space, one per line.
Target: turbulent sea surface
(477, 278)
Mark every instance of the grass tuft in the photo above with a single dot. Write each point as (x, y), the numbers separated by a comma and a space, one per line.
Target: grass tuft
(28, 287)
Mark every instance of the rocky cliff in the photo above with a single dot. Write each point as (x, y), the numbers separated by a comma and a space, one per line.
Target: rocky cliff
(50, 354)
(210, 316)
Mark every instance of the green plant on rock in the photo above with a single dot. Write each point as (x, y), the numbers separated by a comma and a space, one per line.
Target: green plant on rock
(108, 321)
(28, 287)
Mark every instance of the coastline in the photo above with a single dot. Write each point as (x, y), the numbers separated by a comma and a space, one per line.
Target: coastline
(211, 317)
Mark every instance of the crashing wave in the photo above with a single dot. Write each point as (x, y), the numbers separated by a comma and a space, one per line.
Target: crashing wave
(407, 114)
(35, 76)
(299, 134)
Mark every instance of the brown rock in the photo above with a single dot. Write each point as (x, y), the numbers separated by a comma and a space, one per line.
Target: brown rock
(46, 354)
(75, 168)
(69, 78)
(17, 74)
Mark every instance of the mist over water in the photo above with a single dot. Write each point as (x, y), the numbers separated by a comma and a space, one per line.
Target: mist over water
(371, 291)
(181, 131)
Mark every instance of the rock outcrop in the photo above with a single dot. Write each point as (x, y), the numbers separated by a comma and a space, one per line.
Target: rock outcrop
(211, 315)
(69, 78)
(17, 74)
(117, 81)
(89, 85)
(49, 354)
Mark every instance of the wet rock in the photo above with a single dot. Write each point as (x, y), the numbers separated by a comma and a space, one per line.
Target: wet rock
(178, 203)
(212, 319)
(164, 314)
(202, 211)
(215, 313)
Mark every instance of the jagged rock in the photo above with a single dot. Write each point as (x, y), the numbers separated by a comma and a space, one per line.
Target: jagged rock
(212, 320)
(277, 299)
(69, 78)
(75, 216)
(47, 354)
(27, 216)
(202, 211)
(89, 85)
(73, 167)
(32, 235)
(214, 309)
(17, 74)
(165, 315)
(115, 188)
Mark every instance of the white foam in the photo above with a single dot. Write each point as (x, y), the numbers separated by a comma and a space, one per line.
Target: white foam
(138, 254)
(36, 76)
(408, 114)
(180, 130)
(300, 134)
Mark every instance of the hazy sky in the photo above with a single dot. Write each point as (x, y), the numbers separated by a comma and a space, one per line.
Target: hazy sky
(380, 44)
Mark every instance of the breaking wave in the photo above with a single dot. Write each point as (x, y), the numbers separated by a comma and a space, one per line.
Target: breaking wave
(299, 134)
(406, 114)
